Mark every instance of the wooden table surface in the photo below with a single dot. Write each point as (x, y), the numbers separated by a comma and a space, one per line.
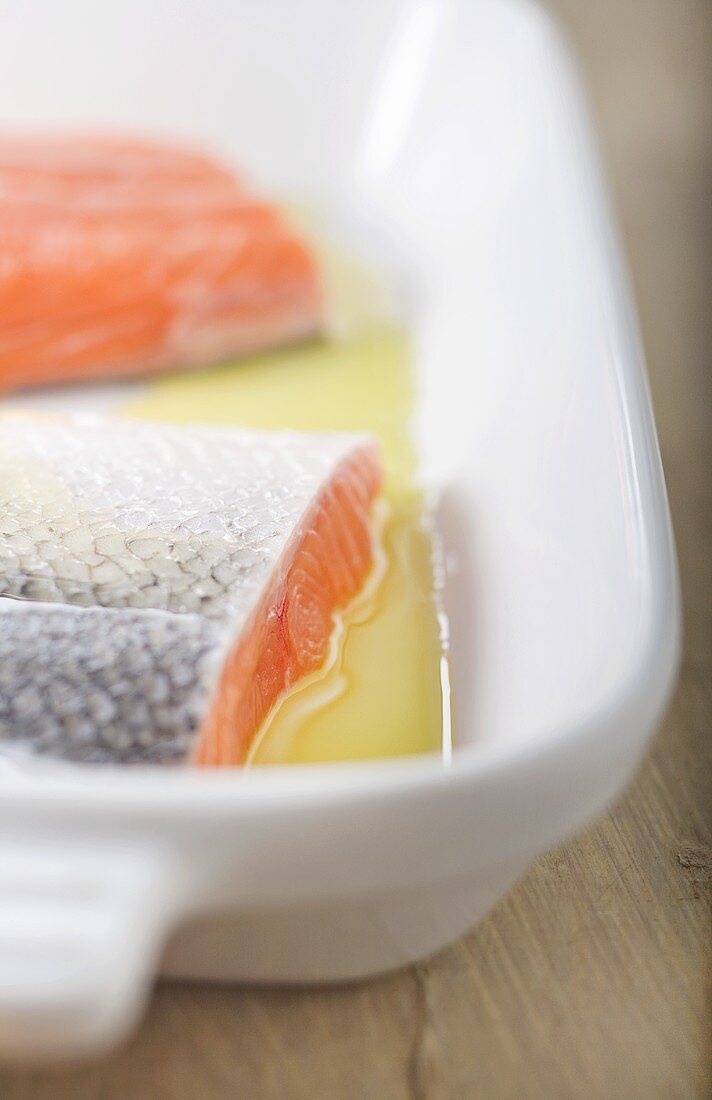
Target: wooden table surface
(593, 978)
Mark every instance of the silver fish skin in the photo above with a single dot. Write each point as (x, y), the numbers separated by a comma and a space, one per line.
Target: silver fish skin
(132, 555)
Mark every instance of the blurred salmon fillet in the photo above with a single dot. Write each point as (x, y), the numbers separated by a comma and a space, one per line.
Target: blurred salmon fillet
(122, 257)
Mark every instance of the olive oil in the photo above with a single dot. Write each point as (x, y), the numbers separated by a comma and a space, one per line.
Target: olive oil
(382, 694)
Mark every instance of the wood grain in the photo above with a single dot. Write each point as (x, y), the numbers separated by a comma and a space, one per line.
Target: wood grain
(593, 978)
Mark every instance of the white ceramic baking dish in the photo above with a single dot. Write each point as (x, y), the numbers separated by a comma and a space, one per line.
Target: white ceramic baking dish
(454, 132)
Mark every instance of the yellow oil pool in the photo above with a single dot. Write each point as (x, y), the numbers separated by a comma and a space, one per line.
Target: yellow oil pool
(384, 694)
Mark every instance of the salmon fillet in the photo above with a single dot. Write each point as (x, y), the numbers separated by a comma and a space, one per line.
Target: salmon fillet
(120, 257)
(170, 583)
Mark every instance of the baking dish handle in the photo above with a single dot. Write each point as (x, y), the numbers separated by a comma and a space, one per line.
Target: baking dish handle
(81, 926)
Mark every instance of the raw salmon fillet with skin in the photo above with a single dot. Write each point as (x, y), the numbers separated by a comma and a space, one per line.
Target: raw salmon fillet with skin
(171, 584)
(119, 258)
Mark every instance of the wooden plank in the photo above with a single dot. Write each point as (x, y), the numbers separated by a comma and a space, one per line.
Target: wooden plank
(592, 979)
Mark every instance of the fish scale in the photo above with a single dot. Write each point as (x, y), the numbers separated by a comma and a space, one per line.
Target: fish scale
(68, 687)
(228, 475)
